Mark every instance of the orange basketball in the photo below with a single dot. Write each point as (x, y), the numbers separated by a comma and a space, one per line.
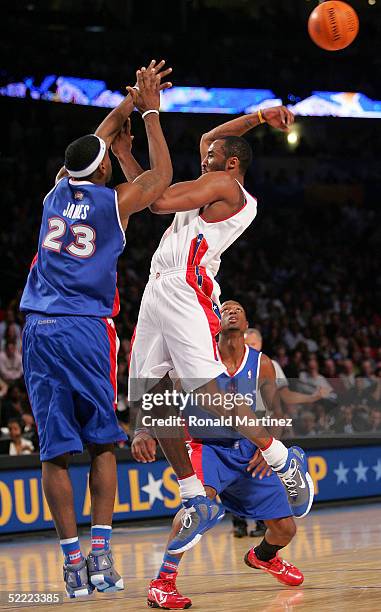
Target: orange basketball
(333, 25)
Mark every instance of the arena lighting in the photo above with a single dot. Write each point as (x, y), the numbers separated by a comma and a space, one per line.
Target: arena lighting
(292, 138)
(92, 92)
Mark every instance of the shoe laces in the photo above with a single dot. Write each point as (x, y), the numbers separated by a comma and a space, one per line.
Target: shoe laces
(290, 481)
(278, 562)
(168, 586)
(186, 519)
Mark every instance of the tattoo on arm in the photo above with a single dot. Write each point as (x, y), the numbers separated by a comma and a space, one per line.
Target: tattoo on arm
(148, 180)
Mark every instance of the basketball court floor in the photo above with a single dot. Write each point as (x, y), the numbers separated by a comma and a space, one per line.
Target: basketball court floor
(338, 550)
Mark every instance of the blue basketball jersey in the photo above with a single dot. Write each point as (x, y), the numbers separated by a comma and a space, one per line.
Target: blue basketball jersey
(81, 238)
(241, 387)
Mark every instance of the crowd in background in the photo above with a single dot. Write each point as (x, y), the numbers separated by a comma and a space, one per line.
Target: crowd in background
(306, 270)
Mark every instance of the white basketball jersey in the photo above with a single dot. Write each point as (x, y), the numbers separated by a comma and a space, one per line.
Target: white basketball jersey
(192, 241)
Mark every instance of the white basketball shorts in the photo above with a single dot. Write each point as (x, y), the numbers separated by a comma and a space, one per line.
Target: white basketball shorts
(176, 331)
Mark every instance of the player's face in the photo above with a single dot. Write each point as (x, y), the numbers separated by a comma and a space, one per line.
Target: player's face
(233, 317)
(214, 159)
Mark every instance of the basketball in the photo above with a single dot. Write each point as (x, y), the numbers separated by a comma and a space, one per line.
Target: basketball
(333, 25)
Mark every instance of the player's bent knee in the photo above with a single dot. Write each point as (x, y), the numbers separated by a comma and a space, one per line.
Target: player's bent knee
(99, 449)
(285, 528)
(62, 461)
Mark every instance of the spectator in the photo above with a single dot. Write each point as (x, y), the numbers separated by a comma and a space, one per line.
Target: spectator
(312, 380)
(18, 445)
(349, 422)
(13, 406)
(10, 363)
(9, 321)
(307, 424)
(348, 376)
(375, 420)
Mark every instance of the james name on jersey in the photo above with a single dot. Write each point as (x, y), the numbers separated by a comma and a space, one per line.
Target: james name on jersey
(76, 211)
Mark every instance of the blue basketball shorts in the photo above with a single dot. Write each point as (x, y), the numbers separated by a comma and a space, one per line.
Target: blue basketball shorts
(223, 467)
(70, 367)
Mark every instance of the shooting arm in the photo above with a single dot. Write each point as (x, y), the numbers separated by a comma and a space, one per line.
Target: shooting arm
(277, 116)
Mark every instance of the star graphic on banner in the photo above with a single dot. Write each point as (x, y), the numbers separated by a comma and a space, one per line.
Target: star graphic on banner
(377, 469)
(153, 489)
(341, 473)
(361, 471)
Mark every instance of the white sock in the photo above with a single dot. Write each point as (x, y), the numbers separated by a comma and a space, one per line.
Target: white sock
(276, 454)
(191, 487)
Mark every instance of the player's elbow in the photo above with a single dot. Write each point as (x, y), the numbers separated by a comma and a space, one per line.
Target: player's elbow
(155, 208)
(159, 207)
(205, 139)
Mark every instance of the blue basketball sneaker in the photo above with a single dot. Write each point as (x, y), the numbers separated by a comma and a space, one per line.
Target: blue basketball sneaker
(297, 482)
(76, 579)
(201, 514)
(102, 573)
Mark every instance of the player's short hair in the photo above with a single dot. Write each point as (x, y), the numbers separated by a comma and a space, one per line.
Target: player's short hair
(236, 302)
(81, 153)
(236, 146)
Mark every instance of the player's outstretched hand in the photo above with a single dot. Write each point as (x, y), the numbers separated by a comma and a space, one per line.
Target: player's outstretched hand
(146, 92)
(257, 465)
(123, 140)
(279, 117)
(143, 447)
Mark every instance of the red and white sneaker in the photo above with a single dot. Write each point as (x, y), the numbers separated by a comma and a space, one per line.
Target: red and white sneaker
(162, 593)
(284, 572)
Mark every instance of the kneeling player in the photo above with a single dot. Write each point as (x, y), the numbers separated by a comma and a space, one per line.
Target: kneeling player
(225, 462)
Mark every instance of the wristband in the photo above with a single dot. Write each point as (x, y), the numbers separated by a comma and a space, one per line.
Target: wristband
(260, 116)
(149, 111)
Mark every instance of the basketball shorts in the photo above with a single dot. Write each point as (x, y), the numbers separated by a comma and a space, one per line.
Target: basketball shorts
(223, 467)
(176, 332)
(70, 367)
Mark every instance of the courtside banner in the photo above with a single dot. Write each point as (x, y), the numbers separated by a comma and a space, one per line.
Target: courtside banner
(144, 490)
(150, 490)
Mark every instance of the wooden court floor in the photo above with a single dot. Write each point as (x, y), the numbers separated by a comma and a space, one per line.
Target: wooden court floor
(338, 550)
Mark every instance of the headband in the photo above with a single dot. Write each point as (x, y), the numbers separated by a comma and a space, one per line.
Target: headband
(94, 165)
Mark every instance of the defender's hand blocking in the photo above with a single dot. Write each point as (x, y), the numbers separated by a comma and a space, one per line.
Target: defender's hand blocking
(279, 117)
(143, 447)
(146, 93)
(123, 141)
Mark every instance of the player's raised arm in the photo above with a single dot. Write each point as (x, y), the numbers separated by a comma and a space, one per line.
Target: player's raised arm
(278, 116)
(114, 121)
(145, 189)
(121, 147)
(109, 127)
